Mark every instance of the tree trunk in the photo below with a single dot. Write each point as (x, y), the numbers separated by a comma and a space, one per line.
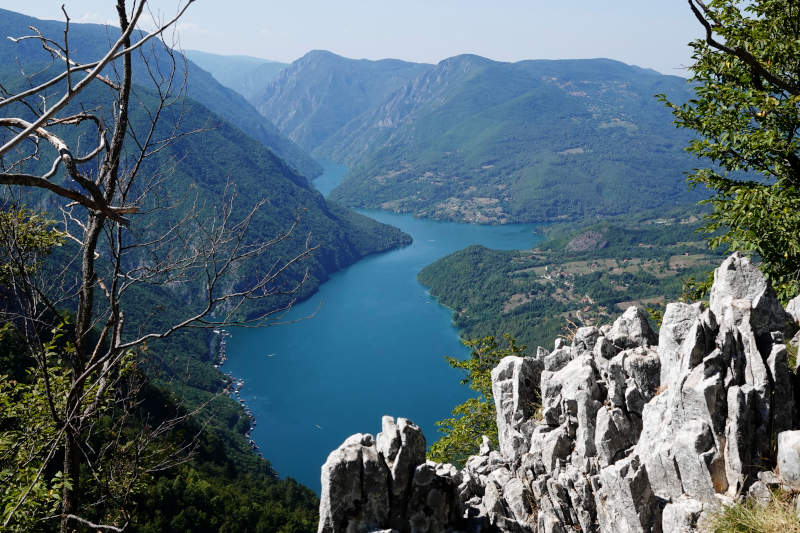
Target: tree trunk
(72, 414)
(71, 491)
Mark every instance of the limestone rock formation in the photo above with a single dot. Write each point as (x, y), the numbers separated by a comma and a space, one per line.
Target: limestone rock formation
(638, 432)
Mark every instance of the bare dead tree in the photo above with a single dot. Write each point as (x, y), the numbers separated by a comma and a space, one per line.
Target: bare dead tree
(107, 215)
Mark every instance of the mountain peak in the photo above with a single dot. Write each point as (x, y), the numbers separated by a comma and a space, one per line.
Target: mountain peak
(462, 59)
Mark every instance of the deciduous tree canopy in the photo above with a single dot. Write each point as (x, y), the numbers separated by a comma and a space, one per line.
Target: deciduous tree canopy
(746, 111)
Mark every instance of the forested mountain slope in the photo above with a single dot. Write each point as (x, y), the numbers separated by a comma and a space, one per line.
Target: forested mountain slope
(484, 141)
(218, 153)
(89, 40)
(193, 175)
(477, 140)
(579, 276)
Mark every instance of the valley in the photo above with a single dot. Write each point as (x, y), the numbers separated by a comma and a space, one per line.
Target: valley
(475, 140)
(386, 211)
(371, 332)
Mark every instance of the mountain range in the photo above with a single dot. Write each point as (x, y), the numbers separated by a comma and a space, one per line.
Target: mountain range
(321, 93)
(244, 74)
(477, 140)
(196, 171)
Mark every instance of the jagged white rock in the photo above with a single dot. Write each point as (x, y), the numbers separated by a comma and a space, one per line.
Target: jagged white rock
(789, 457)
(633, 437)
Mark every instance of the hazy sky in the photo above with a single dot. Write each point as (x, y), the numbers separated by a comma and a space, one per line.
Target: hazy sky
(648, 33)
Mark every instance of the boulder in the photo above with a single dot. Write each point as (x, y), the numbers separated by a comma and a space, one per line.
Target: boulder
(782, 389)
(560, 390)
(632, 329)
(614, 434)
(789, 458)
(643, 366)
(585, 338)
(558, 359)
(433, 504)
(739, 436)
(519, 500)
(624, 501)
(401, 446)
(514, 383)
(737, 278)
(677, 321)
(604, 348)
(793, 308)
(355, 488)
(556, 446)
(681, 516)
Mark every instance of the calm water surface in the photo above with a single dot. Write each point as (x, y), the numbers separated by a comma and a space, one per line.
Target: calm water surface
(375, 346)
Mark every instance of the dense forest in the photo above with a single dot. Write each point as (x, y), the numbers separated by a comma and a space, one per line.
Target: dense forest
(584, 276)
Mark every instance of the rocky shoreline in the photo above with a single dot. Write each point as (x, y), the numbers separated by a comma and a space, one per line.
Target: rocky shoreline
(637, 432)
(234, 387)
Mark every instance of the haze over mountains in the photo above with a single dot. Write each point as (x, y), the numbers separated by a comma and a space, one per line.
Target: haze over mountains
(321, 93)
(477, 140)
(244, 74)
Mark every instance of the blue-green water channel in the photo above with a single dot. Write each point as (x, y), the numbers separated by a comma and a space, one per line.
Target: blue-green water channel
(375, 346)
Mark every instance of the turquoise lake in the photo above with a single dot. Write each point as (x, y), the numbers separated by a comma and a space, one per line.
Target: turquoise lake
(375, 346)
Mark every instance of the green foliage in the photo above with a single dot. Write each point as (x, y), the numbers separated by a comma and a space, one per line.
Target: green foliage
(31, 436)
(200, 498)
(791, 355)
(531, 294)
(475, 417)
(751, 516)
(746, 111)
(656, 316)
(694, 290)
(531, 141)
(221, 487)
(26, 439)
(24, 236)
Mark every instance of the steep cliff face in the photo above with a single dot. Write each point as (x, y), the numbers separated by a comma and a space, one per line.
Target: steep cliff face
(637, 433)
(321, 92)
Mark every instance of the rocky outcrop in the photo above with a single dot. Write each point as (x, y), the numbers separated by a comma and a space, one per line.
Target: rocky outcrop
(637, 432)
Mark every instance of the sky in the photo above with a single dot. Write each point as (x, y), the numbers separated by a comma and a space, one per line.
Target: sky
(647, 33)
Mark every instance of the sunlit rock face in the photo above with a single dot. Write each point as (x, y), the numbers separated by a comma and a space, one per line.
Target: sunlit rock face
(638, 431)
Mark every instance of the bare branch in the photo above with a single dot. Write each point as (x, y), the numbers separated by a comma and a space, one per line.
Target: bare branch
(78, 88)
(28, 180)
(103, 62)
(96, 526)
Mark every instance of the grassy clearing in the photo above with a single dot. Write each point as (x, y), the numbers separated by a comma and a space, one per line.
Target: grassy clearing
(777, 516)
